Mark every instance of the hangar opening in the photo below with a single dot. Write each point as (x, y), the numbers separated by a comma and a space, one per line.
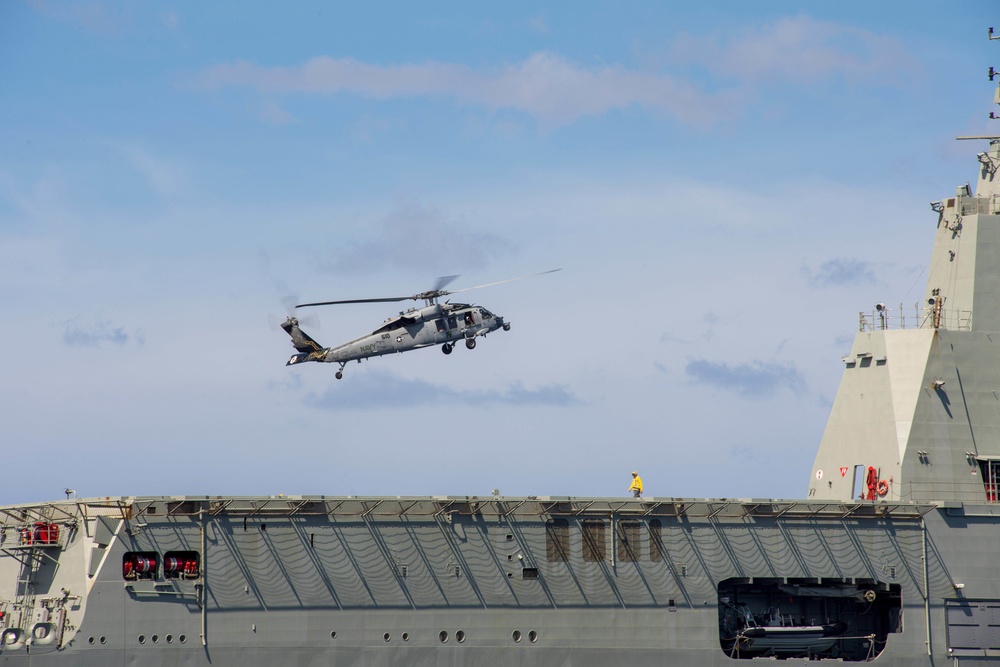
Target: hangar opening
(784, 618)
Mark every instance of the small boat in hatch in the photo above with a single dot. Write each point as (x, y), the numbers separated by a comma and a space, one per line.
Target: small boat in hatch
(772, 633)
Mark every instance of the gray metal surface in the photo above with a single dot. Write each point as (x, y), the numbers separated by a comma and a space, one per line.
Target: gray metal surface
(378, 580)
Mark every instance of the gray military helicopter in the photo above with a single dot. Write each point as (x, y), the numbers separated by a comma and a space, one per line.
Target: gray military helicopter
(435, 323)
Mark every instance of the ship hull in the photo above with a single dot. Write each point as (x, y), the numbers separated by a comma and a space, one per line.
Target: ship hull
(460, 581)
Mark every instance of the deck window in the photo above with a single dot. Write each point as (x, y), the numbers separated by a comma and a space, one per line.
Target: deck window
(595, 548)
(557, 540)
(628, 541)
(655, 540)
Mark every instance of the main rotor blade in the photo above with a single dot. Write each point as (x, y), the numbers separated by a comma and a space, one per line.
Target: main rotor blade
(332, 303)
(443, 282)
(428, 295)
(501, 282)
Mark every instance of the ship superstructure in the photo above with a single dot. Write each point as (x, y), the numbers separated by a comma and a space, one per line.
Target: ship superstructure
(917, 416)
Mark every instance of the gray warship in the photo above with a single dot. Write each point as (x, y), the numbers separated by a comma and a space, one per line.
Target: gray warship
(888, 558)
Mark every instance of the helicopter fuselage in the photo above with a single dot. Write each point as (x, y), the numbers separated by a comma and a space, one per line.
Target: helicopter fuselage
(436, 324)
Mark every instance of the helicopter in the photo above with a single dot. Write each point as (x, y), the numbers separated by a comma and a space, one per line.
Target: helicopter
(435, 323)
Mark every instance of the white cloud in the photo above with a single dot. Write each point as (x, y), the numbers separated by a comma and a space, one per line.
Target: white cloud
(274, 113)
(545, 85)
(557, 91)
(799, 50)
(106, 19)
(164, 175)
(539, 25)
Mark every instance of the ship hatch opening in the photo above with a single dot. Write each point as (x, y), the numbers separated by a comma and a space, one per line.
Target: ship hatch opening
(990, 470)
(779, 618)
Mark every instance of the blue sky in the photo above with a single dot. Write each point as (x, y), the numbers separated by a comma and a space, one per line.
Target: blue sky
(725, 185)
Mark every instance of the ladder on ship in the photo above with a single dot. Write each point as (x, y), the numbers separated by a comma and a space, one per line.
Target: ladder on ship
(32, 550)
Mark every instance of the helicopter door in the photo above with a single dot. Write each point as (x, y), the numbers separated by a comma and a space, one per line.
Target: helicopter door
(443, 331)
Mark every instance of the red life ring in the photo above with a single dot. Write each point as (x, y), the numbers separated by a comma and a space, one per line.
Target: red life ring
(883, 487)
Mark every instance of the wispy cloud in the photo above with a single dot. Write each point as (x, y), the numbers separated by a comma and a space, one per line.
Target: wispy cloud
(756, 379)
(275, 114)
(671, 337)
(417, 238)
(545, 85)
(170, 19)
(380, 390)
(800, 50)
(557, 91)
(165, 176)
(539, 25)
(839, 272)
(107, 19)
(97, 333)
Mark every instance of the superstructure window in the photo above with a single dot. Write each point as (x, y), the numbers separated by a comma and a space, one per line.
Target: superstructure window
(557, 540)
(628, 541)
(595, 547)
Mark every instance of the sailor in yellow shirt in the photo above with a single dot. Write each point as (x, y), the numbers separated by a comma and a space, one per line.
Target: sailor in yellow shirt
(636, 487)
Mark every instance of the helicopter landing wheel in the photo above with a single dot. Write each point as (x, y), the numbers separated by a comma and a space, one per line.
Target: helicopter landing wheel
(339, 375)
(470, 343)
(446, 348)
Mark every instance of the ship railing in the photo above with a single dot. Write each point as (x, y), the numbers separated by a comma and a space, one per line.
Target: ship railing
(972, 491)
(978, 205)
(884, 318)
(146, 510)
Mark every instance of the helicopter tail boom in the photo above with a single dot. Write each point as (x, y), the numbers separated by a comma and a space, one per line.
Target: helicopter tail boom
(309, 349)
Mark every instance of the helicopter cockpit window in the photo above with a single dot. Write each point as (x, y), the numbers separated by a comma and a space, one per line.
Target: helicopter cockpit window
(440, 324)
(487, 315)
(469, 321)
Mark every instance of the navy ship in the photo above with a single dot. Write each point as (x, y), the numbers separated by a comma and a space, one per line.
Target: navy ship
(888, 558)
